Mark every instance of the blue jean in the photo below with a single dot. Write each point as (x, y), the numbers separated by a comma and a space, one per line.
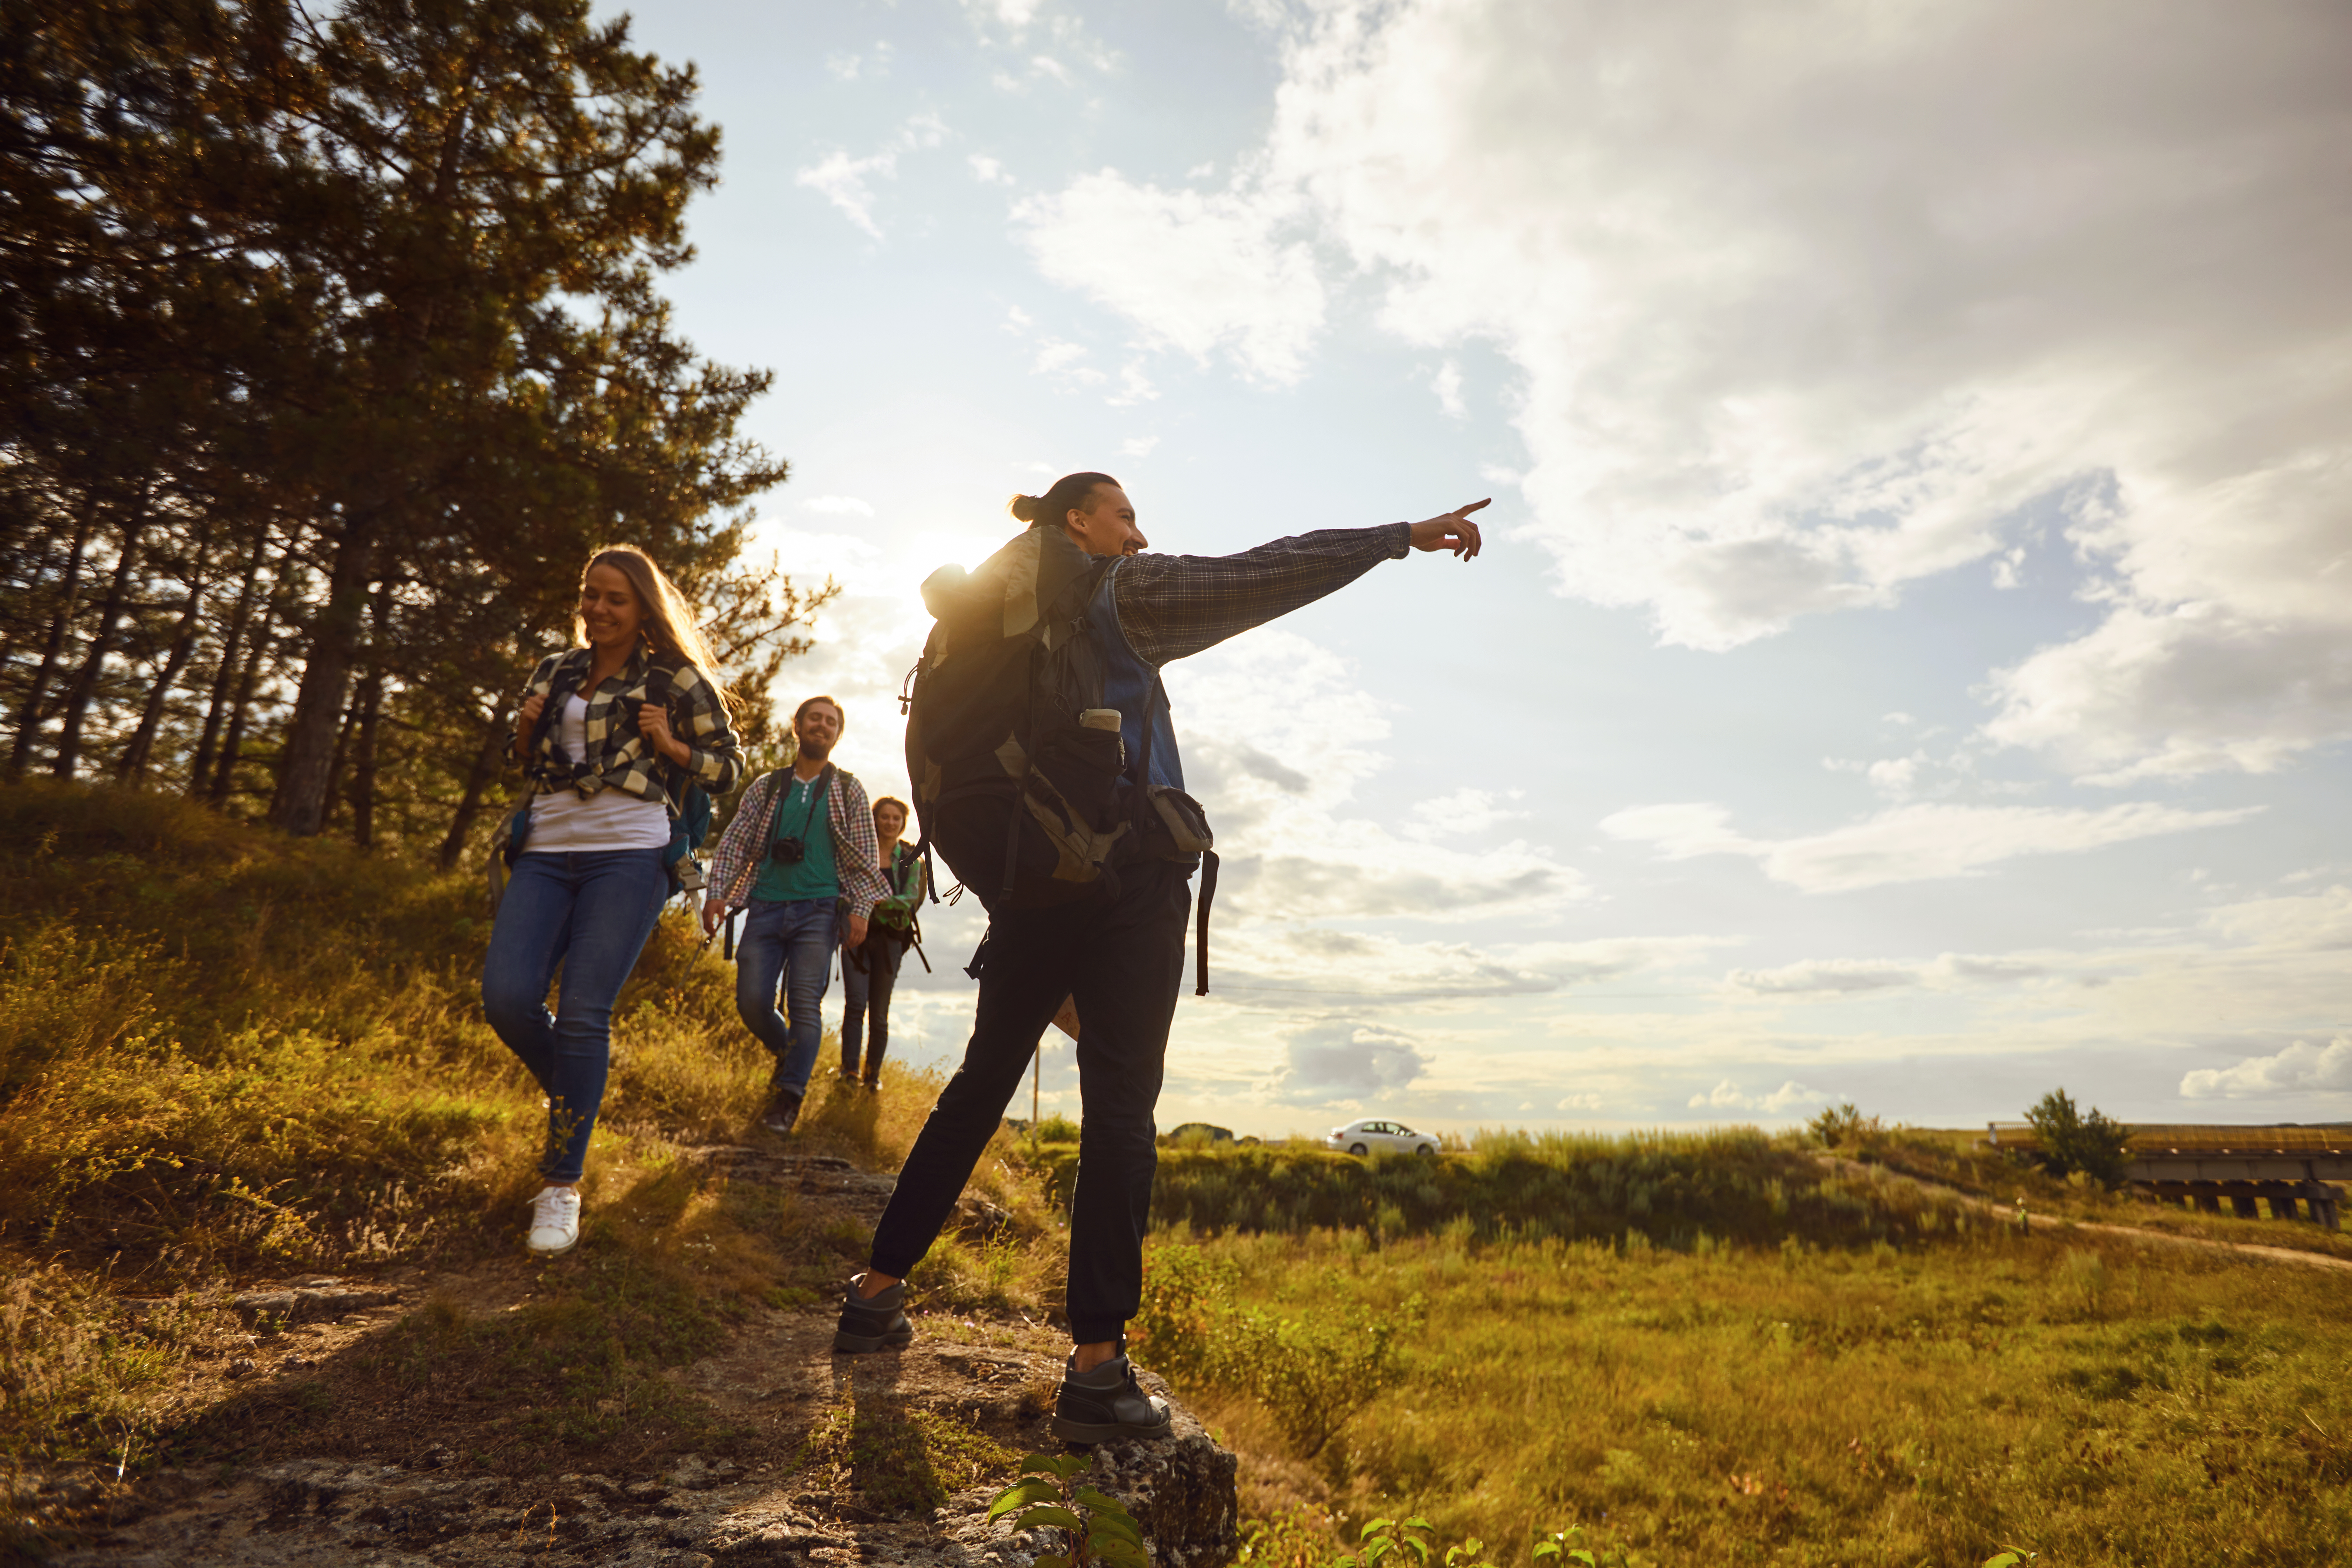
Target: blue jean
(787, 946)
(591, 914)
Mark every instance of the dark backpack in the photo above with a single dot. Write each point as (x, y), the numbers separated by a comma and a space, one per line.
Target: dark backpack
(1024, 804)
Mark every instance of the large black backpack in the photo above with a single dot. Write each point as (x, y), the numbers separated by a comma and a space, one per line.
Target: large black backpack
(1026, 804)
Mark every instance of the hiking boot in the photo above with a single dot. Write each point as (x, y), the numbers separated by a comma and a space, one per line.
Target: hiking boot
(1107, 1405)
(782, 1112)
(876, 1322)
(555, 1222)
(872, 1085)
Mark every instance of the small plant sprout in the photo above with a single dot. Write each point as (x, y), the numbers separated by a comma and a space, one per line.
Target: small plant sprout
(1385, 1538)
(1563, 1547)
(1101, 1532)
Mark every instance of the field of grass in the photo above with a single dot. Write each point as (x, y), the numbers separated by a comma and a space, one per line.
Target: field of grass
(225, 1058)
(1934, 1402)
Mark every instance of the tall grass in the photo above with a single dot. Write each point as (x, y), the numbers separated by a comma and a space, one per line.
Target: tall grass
(226, 1055)
(1678, 1189)
(1793, 1404)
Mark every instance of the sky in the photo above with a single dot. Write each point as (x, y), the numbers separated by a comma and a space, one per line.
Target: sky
(1911, 662)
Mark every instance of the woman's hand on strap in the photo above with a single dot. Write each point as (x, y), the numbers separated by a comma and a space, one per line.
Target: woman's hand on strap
(653, 723)
(526, 720)
(1454, 531)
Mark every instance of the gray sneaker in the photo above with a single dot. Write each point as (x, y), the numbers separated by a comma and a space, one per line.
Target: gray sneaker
(876, 1322)
(1107, 1405)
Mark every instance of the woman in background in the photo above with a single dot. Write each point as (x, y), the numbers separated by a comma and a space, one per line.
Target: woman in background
(611, 732)
(869, 974)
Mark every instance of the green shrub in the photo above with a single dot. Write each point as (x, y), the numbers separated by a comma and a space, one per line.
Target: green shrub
(2074, 1140)
(1312, 1371)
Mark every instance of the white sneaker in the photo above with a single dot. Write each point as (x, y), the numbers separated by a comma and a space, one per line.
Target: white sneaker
(554, 1221)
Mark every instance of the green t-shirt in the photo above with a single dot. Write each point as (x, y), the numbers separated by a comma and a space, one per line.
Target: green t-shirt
(813, 877)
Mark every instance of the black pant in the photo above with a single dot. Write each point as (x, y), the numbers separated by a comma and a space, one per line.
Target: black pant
(865, 994)
(1124, 963)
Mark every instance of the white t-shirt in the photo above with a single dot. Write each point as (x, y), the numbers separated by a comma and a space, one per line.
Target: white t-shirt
(563, 823)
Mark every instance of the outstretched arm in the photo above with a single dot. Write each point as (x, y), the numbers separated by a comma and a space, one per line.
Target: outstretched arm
(1172, 607)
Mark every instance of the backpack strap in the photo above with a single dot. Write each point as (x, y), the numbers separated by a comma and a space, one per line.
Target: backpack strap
(1145, 809)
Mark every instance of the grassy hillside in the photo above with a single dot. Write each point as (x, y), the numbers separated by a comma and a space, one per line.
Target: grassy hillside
(226, 1057)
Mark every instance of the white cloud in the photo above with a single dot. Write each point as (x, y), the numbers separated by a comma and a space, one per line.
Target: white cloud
(1728, 1096)
(1345, 1060)
(1579, 1102)
(988, 171)
(2300, 1068)
(1277, 734)
(2160, 691)
(1198, 273)
(1013, 13)
(1896, 776)
(1045, 65)
(842, 180)
(1834, 975)
(1830, 977)
(1464, 812)
(1811, 301)
(842, 66)
(1138, 445)
(1447, 385)
(1908, 843)
(1134, 387)
(838, 506)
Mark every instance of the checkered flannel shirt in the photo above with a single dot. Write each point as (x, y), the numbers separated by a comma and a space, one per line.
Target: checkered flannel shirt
(1172, 607)
(857, 852)
(618, 757)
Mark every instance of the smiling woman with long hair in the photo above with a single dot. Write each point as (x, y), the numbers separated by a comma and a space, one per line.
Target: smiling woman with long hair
(611, 732)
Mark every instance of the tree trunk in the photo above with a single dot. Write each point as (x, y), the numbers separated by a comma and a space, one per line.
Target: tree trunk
(371, 712)
(498, 739)
(248, 680)
(28, 718)
(343, 733)
(135, 756)
(307, 772)
(85, 686)
(225, 679)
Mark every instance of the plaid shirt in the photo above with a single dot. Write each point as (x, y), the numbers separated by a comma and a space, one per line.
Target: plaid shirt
(1172, 607)
(735, 864)
(618, 757)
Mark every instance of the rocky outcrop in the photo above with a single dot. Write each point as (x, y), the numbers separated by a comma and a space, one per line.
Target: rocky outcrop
(696, 1514)
(778, 1500)
(309, 1300)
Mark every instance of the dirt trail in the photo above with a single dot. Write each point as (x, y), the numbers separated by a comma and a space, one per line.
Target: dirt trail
(2124, 1232)
(888, 1459)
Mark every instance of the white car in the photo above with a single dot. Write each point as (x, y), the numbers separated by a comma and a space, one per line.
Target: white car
(1373, 1136)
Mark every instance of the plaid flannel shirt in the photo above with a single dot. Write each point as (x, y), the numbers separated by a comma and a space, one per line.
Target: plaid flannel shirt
(1172, 607)
(857, 852)
(618, 757)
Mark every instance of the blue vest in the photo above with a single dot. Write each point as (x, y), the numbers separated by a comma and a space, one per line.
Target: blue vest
(1128, 685)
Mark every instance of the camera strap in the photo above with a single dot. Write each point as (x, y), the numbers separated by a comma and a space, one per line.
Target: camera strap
(818, 787)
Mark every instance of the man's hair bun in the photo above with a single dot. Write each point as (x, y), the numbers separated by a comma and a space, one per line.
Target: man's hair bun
(1070, 491)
